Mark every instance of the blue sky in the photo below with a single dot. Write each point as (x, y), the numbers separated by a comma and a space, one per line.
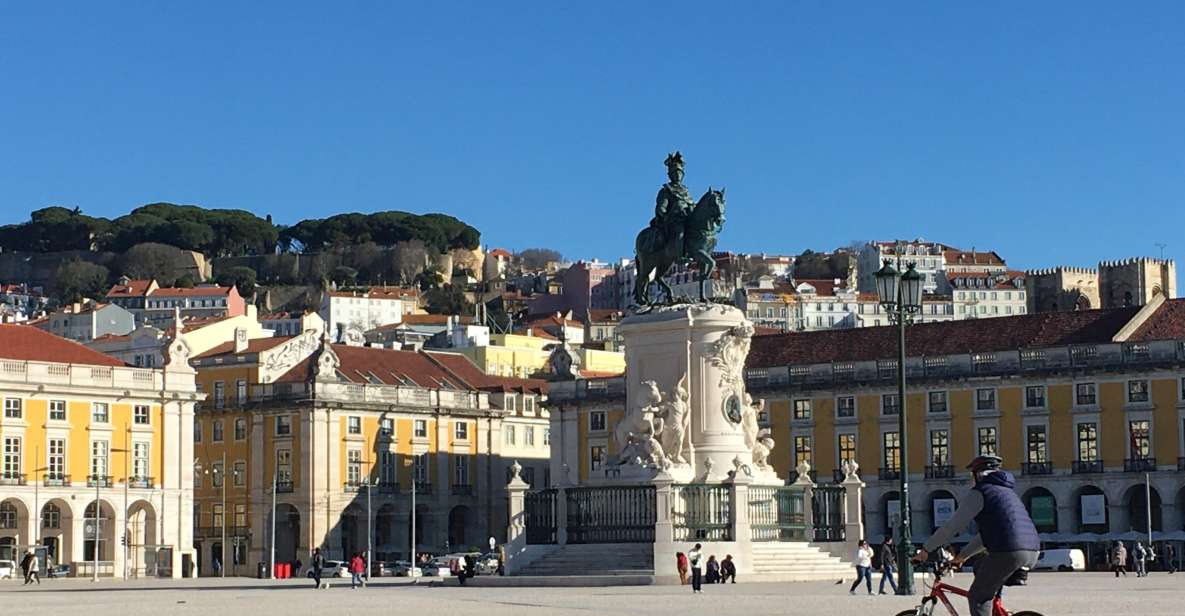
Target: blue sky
(1052, 132)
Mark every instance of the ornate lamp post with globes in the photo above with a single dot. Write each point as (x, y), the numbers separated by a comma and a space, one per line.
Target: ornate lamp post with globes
(901, 297)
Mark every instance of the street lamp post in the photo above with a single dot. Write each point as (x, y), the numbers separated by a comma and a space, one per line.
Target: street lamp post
(275, 477)
(901, 297)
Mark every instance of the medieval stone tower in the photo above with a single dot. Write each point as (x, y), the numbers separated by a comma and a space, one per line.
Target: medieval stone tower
(1062, 289)
(1134, 282)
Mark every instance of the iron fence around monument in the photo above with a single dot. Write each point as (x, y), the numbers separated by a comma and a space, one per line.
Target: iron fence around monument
(827, 506)
(540, 516)
(611, 514)
(777, 513)
(702, 512)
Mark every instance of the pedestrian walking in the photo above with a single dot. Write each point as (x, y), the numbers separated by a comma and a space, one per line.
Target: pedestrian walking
(728, 570)
(695, 558)
(681, 566)
(357, 566)
(30, 567)
(888, 564)
(217, 566)
(863, 560)
(1170, 557)
(1119, 559)
(318, 562)
(1140, 560)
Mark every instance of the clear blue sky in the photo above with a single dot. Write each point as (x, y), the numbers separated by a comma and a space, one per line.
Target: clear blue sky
(1052, 132)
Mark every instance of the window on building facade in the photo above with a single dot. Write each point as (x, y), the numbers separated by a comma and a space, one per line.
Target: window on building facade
(1088, 442)
(99, 459)
(217, 474)
(100, 413)
(353, 425)
(596, 457)
(283, 425)
(354, 467)
(387, 468)
(140, 415)
(420, 428)
(140, 460)
(1137, 391)
(216, 516)
(284, 465)
(890, 404)
(219, 394)
(241, 391)
(529, 436)
(891, 451)
(847, 447)
(509, 434)
(241, 522)
(197, 430)
(1035, 397)
(940, 447)
(938, 402)
(238, 474)
(985, 399)
(1141, 439)
(802, 409)
(546, 437)
(57, 410)
(1035, 445)
(987, 441)
(55, 462)
(1086, 394)
(13, 408)
(51, 516)
(217, 433)
(845, 406)
(240, 429)
(460, 470)
(802, 450)
(386, 427)
(461, 430)
(12, 457)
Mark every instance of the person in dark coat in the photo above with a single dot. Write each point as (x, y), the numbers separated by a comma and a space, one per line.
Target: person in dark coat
(888, 564)
(1170, 557)
(318, 562)
(713, 575)
(728, 570)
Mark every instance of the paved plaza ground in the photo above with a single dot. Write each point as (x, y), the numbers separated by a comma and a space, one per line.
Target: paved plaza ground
(1052, 594)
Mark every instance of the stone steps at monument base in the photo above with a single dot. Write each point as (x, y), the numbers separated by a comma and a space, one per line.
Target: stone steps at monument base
(797, 561)
(594, 559)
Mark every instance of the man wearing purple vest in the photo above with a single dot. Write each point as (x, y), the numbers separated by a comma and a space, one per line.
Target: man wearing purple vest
(1005, 530)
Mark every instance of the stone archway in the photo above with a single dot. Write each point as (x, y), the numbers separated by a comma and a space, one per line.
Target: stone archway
(458, 520)
(1042, 508)
(386, 533)
(57, 531)
(1137, 509)
(890, 513)
(1092, 512)
(142, 539)
(14, 528)
(99, 541)
(287, 532)
(352, 530)
(942, 506)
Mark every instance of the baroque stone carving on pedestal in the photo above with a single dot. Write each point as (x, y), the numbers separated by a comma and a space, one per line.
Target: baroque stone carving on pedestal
(655, 432)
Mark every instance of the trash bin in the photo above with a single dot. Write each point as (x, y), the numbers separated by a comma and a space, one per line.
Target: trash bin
(261, 570)
(277, 570)
(286, 570)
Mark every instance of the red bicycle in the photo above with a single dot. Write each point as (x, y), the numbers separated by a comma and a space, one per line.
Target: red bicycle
(939, 590)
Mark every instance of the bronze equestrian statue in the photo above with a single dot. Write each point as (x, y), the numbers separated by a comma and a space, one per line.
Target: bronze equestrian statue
(678, 232)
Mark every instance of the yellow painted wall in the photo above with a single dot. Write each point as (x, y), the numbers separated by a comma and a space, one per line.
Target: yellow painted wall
(1010, 436)
(1113, 422)
(1061, 438)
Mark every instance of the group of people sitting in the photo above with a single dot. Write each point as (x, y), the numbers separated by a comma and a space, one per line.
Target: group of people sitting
(716, 571)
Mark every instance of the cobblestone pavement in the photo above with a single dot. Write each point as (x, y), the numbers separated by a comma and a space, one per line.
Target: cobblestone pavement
(1052, 594)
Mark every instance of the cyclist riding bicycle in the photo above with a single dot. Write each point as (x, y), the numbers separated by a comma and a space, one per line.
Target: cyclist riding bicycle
(1005, 530)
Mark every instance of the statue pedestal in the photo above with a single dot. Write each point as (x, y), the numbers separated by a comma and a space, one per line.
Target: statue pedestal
(703, 347)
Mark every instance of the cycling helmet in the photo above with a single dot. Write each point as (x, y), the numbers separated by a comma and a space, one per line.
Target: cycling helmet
(985, 463)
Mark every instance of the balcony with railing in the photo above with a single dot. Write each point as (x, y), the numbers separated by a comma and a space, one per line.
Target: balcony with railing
(387, 487)
(98, 481)
(1036, 468)
(1081, 467)
(889, 474)
(140, 482)
(424, 487)
(940, 471)
(12, 479)
(463, 489)
(214, 532)
(284, 487)
(55, 480)
(1139, 465)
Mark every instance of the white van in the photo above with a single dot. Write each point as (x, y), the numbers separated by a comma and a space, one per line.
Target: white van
(1061, 560)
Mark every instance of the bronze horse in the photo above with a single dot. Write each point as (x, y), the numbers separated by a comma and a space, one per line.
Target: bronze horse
(695, 243)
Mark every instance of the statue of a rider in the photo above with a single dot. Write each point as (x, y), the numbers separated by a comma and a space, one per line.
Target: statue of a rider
(672, 205)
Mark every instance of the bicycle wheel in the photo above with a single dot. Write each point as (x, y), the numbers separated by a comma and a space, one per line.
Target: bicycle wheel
(915, 612)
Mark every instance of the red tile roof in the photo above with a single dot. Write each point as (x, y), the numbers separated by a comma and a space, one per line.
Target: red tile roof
(379, 293)
(254, 345)
(822, 286)
(134, 288)
(963, 257)
(24, 343)
(604, 315)
(205, 291)
(1168, 322)
(500, 252)
(947, 338)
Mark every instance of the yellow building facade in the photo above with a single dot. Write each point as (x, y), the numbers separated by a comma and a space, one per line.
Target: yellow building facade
(92, 457)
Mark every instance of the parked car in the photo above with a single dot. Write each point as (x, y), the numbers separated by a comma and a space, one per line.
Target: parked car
(397, 568)
(1061, 560)
(58, 571)
(332, 568)
(7, 569)
(487, 564)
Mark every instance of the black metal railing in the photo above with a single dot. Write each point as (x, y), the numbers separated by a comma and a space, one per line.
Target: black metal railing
(1081, 467)
(611, 514)
(540, 516)
(1036, 468)
(702, 513)
(462, 490)
(283, 487)
(940, 471)
(1139, 465)
(424, 487)
(827, 510)
(12, 479)
(140, 482)
(777, 513)
(214, 532)
(102, 481)
(353, 486)
(56, 480)
(889, 474)
(387, 487)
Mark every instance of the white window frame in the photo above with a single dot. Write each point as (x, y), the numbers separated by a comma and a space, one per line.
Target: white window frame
(58, 407)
